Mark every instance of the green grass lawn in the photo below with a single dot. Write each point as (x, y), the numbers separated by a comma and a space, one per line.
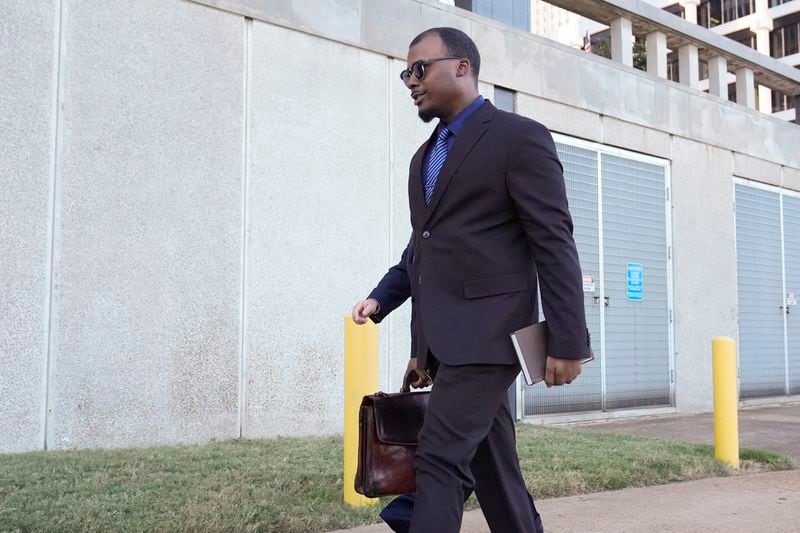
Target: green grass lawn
(295, 485)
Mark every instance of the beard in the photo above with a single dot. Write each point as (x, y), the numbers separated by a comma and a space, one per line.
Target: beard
(429, 114)
(425, 116)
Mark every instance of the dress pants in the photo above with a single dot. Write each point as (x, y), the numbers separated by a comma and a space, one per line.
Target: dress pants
(467, 442)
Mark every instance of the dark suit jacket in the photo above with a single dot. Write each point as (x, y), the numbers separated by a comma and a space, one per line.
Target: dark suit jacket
(498, 215)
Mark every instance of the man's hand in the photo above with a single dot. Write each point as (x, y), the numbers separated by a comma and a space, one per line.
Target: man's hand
(423, 379)
(561, 371)
(363, 310)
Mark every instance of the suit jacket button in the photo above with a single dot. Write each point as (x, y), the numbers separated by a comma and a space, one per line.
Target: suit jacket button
(426, 234)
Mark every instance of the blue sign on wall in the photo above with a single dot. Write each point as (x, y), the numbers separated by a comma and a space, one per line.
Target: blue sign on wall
(635, 282)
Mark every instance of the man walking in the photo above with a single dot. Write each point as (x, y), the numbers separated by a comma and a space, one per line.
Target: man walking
(490, 220)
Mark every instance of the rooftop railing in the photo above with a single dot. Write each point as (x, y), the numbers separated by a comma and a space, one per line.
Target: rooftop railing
(664, 31)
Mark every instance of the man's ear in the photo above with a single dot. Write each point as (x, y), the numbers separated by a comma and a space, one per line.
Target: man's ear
(463, 68)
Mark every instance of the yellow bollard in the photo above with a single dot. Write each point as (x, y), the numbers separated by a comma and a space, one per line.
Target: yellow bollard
(726, 422)
(360, 379)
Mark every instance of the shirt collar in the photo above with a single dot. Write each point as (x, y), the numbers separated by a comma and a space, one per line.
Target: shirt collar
(458, 123)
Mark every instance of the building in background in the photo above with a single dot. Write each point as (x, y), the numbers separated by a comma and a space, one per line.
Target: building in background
(771, 27)
(516, 13)
(195, 192)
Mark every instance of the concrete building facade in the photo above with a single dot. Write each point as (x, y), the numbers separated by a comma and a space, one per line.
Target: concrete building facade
(194, 194)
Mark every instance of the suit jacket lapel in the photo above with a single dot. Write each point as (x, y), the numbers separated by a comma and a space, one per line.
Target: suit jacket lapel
(473, 130)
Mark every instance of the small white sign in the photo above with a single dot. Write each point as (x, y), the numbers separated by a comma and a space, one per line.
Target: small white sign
(588, 283)
(791, 298)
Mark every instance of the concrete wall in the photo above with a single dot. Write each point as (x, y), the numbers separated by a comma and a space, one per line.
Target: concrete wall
(147, 275)
(318, 220)
(26, 164)
(704, 263)
(221, 191)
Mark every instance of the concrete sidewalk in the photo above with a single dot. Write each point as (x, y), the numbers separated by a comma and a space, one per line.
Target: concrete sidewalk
(755, 503)
(775, 428)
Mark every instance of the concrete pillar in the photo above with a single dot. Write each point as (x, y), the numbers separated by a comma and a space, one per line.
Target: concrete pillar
(796, 107)
(657, 54)
(762, 26)
(745, 90)
(622, 41)
(688, 66)
(762, 30)
(718, 77)
(690, 10)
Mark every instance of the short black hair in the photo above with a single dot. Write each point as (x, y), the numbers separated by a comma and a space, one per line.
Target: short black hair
(458, 44)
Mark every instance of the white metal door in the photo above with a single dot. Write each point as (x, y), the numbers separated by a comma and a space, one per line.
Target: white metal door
(637, 333)
(580, 175)
(619, 205)
(791, 239)
(760, 292)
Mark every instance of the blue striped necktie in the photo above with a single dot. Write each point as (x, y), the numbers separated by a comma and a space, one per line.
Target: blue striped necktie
(435, 163)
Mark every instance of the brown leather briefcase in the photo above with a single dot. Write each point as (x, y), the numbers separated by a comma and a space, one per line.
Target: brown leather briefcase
(388, 425)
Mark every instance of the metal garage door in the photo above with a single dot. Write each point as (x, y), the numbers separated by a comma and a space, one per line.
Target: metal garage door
(791, 239)
(768, 274)
(624, 232)
(580, 175)
(637, 340)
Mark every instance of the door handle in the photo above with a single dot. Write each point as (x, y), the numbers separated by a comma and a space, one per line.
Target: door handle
(597, 300)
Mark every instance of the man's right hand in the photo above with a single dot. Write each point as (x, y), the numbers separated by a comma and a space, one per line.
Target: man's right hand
(363, 310)
(423, 379)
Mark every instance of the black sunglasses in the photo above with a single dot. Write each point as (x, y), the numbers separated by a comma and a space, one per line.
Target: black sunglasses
(418, 67)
